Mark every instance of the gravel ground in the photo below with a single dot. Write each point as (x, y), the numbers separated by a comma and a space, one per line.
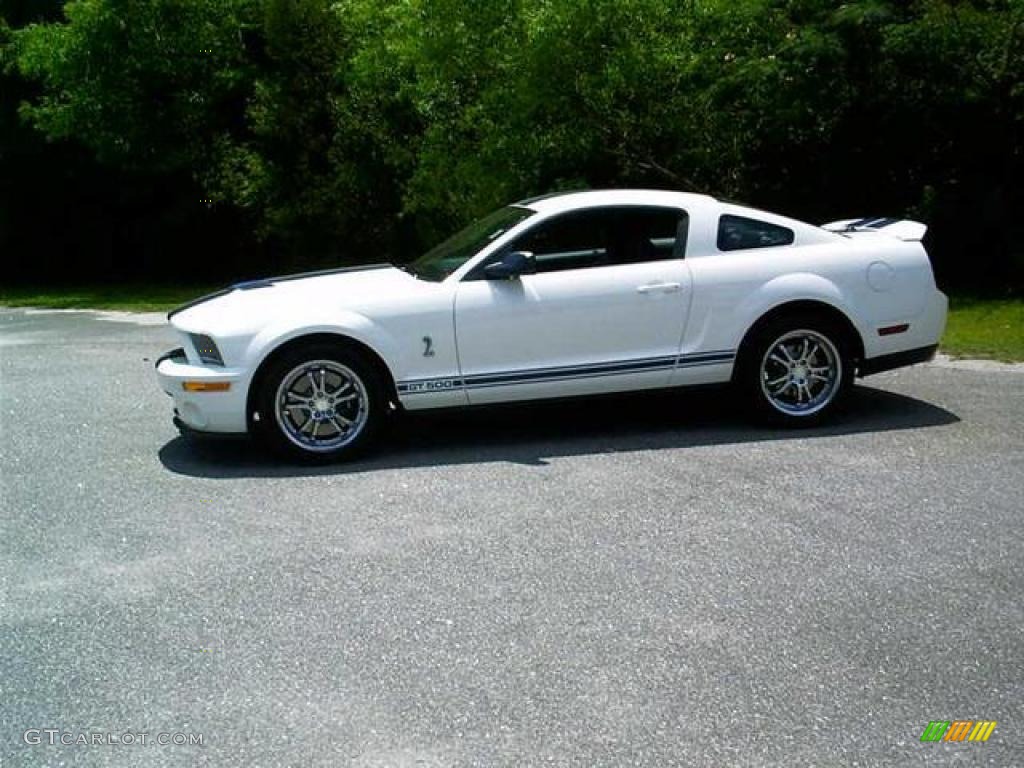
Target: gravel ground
(631, 581)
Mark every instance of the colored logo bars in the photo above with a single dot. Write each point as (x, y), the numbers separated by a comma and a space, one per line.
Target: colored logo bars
(958, 730)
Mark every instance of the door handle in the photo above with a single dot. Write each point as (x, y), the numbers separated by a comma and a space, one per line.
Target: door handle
(659, 288)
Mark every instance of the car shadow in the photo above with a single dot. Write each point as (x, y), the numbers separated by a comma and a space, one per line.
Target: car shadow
(532, 434)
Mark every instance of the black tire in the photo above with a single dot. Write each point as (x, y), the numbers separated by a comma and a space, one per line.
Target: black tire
(341, 371)
(768, 385)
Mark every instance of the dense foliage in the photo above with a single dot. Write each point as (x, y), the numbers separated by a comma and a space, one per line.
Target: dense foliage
(240, 136)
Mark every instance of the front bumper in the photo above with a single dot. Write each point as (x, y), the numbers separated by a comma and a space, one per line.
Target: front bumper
(222, 412)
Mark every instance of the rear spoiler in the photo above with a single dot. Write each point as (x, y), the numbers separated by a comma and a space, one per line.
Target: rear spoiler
(901, 229)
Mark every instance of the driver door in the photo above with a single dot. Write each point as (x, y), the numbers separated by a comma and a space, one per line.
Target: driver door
(603, 312)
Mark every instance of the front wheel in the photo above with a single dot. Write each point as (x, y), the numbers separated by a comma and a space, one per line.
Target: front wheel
(796, 371)
(320, 402)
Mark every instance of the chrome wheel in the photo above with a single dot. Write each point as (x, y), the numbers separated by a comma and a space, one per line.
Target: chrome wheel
(801, 373)
(321, 405)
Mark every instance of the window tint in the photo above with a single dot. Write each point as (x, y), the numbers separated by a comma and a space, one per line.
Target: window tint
(605, 237)
(650, 234)
(447, 257)
(575, 241)
(737, 233)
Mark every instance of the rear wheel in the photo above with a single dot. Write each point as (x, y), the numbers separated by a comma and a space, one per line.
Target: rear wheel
(320, 402)
(796, 371)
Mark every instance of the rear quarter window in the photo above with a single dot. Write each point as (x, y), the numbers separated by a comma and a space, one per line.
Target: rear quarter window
(738, 233)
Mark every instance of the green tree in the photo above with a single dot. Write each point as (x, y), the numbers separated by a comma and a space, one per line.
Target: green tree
(367, 128)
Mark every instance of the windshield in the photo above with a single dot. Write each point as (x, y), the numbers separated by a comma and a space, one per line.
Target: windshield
(442, 260)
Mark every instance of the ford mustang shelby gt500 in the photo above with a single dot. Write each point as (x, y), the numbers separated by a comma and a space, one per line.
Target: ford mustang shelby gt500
(564, 295)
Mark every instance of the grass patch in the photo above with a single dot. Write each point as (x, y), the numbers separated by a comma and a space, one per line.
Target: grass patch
(986, 328)
(977, 327)
(147, 297)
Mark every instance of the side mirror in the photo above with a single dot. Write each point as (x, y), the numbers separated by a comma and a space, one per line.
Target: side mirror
(511, 266)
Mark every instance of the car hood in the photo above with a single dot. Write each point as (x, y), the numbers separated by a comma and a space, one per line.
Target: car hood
(258, 302)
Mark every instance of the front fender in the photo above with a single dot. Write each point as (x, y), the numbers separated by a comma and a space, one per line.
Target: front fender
(344, 323)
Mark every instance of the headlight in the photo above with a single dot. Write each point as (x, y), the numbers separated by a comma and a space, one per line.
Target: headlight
(206, 349)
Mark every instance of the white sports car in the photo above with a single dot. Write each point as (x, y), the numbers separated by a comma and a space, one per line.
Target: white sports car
(564, 295)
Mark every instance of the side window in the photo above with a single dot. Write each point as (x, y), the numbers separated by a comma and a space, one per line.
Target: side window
(606, 237)
(650, 234)
(573, 241)
(737, 233)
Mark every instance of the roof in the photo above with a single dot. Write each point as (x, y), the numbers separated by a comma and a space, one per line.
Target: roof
(564, 201)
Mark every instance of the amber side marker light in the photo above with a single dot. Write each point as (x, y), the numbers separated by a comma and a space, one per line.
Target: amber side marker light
(206, 386)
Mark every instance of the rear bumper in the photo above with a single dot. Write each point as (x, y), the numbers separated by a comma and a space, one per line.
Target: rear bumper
(900, 341)
(221, 412)
(896, 360)
(890, 331)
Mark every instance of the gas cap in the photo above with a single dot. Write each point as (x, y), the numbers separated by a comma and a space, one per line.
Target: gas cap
(880, 276)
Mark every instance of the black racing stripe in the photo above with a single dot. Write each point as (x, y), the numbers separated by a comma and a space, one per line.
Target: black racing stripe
(568, 373)
(568, 377)
(872, 222)
(711, 360)
(404, 386)
(472, 383)
(200, 300)
(267, 282)
(881, 223)
(555, 370)
(617, 366)
(332, 271)
(723, 354)
(545, 373)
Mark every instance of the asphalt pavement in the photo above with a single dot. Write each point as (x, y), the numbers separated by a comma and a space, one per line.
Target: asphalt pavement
(644, 580)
